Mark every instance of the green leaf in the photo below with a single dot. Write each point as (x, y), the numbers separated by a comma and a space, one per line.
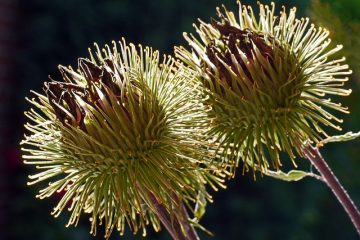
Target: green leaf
(200, 206)
(339, 138)
(293, 175)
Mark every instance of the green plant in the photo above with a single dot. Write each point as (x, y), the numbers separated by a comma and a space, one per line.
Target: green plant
(130, 139)
(122, 139)
(268, 83)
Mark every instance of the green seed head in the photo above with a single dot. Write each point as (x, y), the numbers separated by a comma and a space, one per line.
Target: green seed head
(121, 129)
(268, 80)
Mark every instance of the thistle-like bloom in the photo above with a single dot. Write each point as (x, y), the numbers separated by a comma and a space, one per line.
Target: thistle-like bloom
(121, 131)
(268, 80)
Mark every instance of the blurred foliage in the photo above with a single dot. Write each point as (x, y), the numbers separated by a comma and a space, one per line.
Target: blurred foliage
(342, 19)
(58, 31)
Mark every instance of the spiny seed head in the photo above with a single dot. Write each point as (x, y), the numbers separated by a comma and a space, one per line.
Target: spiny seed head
(268, 81)
(121, 130)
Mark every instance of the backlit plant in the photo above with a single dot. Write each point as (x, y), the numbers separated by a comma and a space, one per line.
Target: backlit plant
(268, 81)
(131, 139)
(122, 139)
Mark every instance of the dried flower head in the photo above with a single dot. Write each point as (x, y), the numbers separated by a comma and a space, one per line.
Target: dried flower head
(122, 129)
(268, 81)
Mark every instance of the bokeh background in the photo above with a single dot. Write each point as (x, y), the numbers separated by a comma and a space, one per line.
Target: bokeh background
(37, 35)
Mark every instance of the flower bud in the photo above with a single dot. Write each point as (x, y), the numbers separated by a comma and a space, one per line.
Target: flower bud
(121, 131)
(268, 82)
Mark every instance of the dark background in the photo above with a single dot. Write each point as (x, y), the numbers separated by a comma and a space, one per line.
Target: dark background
(37, 35)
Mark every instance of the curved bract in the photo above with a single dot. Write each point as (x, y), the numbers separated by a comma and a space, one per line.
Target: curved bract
(268, 79)
(122, 129)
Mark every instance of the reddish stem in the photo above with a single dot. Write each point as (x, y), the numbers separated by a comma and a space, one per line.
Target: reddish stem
(189, 229)
(164, 217)
(174, 223)
(315, 157)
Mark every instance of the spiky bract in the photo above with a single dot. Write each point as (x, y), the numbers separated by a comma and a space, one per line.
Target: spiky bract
(268, 79)
(120, 130)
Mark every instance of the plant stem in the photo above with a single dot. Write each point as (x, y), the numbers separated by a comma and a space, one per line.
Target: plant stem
(315, 157)
(175, 222)
(164, 217)
(189, 229)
